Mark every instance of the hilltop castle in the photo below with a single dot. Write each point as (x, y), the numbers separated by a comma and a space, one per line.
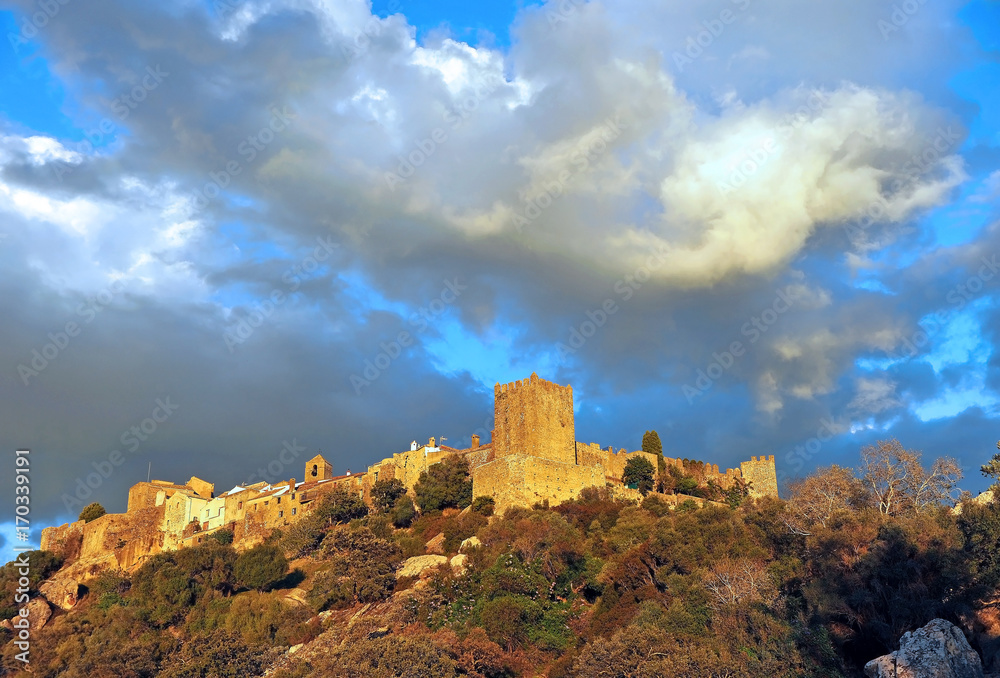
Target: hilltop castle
(533, 457)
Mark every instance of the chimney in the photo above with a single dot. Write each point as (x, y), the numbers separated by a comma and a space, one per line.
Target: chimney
(475, 440)
(413, 446)
(431, 443)
(291, 484)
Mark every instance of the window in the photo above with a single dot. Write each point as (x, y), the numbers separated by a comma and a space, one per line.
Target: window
(281, 514)
(279, 500)
(293, 495)
(239, 506)
(294, 511)
(315, 470)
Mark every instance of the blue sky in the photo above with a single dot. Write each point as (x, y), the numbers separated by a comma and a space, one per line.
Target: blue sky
(579, 117)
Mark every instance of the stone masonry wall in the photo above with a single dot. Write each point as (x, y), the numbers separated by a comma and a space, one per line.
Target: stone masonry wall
(521, 480)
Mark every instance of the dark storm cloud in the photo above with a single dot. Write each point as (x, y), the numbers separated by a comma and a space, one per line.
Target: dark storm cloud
(415, 162)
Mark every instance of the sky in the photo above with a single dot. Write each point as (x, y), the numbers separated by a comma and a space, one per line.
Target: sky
(233, 227)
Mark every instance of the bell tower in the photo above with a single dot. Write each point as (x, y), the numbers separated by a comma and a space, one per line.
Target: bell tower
(318, 468)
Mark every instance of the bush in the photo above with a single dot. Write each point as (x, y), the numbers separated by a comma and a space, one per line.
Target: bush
(484, 505)
(445, 485)
(304, 536)
(91, 512)
(508, 619)
(261, 567)
(223, 536)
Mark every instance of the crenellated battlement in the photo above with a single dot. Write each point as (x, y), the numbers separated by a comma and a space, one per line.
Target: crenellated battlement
(533, 381)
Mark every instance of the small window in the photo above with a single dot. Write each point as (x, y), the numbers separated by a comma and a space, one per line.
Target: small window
(294, 511)
(279, 500)
(239, 506)
(281, 514)
(293, 495)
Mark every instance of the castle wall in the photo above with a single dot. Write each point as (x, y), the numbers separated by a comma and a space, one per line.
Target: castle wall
(614, 466)
(534, 417)
(148, 494)
(520, 480)
(56, 538)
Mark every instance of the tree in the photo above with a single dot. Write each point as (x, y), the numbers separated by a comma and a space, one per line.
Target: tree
(815, 499)
(639, 472)
(403, 512)
(651, 443)
(91, 511)
(340, 506)
(385, 493)
(445, 485)
(991, 469)
(899, 484)
(261, 567)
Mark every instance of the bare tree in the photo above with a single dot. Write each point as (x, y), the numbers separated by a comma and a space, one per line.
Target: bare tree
(816, 498)
(733, 581)
(899, 484)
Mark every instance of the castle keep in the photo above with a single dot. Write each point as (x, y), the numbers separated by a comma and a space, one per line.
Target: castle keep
(533, 457)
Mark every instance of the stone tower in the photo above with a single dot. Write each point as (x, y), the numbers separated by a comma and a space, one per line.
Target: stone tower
(534, 418)
(533, 456)
(761, 475)
(318, 468)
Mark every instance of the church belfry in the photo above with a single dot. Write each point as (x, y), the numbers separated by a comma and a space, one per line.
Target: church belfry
(318, 468)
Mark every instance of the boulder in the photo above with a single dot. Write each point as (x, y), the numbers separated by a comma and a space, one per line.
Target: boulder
(295, 597)
(39, 613)
(937, 650)
(458, 563)
(415, 567)
(436, 545)
(470, 543)
(63, 592)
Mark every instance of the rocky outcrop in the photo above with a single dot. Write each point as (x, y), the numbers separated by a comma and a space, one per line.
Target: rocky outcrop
(470, 543)
(62, 591)
(39, 614)
(436, 545)
(938, 650)
(415, 567)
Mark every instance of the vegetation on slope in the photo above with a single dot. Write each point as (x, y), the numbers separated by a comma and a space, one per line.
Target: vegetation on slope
(812, 586)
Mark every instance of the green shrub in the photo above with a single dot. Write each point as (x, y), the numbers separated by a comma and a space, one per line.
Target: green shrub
(91, 511)
(261, 567)
(223, 536)
(484, 505)
(304, 537)
(508, 620)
